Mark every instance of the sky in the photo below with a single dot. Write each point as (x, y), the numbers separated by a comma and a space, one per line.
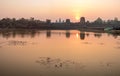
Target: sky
(64, 9)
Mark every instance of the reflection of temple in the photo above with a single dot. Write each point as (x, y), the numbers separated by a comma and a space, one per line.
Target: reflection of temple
(48, 34)
(98, 35)
(82, 35)
(33, 33)
(67, 34)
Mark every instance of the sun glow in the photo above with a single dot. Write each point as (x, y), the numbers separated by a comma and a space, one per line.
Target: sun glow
(77, 14)
(77, 17)
(54, 9)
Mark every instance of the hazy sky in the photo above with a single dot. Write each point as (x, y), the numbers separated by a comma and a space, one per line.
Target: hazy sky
(54, 9)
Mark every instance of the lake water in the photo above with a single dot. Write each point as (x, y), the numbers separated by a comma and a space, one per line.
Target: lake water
(59, 53)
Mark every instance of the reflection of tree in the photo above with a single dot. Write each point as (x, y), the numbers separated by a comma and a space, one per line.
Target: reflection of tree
(82, 35)
(115, 36)
(14, 34)
(21, 33)
(6, 34)
(98, 35)
(48, 33)
(33, 34)
(87, 34)
(67, 34)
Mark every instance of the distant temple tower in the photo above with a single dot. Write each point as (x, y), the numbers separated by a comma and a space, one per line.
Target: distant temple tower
(48, 21)
(67, 21)
(60, 20)
(82, 20)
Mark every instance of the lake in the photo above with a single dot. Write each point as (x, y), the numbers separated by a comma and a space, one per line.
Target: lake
(59, 53)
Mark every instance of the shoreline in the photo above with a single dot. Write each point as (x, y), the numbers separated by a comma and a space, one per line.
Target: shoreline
(84, 28)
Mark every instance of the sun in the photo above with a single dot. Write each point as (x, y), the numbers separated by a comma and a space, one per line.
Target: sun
(77, 13)
(77, 16)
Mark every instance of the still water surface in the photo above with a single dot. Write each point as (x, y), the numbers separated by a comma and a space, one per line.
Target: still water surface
(59, 53)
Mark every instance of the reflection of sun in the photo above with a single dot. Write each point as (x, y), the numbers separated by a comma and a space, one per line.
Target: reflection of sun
(77, 35)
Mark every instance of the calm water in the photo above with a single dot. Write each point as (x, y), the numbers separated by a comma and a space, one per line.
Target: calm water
(59, 53)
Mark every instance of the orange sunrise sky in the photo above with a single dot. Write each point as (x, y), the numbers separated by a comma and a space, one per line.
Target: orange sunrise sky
(55, 9)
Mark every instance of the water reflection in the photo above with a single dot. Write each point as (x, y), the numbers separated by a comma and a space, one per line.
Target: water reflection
(48, 34)
(115, 35)
(33, 33)
(82, 35)
(67, 34)
(87, 34)
(98, 35)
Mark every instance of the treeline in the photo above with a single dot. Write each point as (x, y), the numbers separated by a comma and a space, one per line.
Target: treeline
(99, 20)
(21, 23)
(32, 23)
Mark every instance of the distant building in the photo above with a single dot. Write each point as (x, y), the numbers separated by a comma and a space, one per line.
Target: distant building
(67, 20)
(87, 22)
(63, 21)
(82, 20)
(48, 21)
(60, 20)
(56, 21)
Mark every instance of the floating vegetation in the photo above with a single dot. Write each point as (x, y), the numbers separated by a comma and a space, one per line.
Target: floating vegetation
(118, 47)
(58, 63)
(118, 43)
(3, 44)
(17, 43)
(33, 43)
(101, 43)
(86, 43)
(106, 64)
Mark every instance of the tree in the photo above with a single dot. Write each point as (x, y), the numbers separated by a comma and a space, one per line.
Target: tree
(116, 19)
(98, 21)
